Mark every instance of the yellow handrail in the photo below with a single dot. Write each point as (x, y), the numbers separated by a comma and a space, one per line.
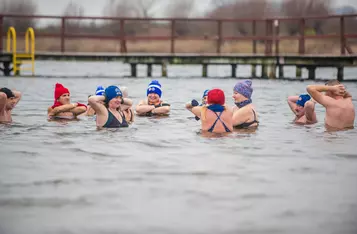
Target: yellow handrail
(30, 35)
(30, 38)
(29, 49)
(11, 37)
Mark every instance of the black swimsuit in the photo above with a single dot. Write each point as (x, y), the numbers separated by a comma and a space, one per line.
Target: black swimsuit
(113, 122)
(248, 124)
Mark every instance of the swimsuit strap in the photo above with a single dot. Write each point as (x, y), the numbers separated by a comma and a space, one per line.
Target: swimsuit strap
(215, 122)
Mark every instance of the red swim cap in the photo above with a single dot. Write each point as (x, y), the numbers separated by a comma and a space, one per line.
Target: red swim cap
(216, 96)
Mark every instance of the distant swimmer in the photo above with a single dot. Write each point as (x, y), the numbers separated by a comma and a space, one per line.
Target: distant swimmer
(244, 113)
(304, 109)
(98, 92)
(153, 105)
(127, 110)
(194, 103)
(340, 111)
(8, 101)
(62, 107)
(109, 114)
(215, 117)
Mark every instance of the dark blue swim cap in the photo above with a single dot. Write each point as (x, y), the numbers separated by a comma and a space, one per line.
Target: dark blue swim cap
(112, 92)
(205, 93)
(303, 98)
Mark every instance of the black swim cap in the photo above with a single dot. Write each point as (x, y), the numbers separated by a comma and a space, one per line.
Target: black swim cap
(8, 92)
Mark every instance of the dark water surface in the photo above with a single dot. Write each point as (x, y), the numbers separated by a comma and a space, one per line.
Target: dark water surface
(162, 175)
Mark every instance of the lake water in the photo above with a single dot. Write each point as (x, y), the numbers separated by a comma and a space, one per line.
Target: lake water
(162, 175)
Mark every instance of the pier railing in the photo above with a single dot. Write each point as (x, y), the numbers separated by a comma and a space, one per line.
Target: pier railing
(265, 36)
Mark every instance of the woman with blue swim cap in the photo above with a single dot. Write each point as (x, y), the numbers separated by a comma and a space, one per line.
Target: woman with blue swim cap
(109, 114)
(194, 103)
(99, 92)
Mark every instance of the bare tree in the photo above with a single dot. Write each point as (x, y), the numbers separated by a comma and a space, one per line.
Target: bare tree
(182, 9)
(20, 7)
(73, 9)
(239, 9)
(144, 8)
(302, 8)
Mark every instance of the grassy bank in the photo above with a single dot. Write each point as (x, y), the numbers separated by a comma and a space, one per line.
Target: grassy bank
(182, 46)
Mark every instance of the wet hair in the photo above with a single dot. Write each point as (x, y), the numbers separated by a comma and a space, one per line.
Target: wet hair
(8, 92)
(332, 82)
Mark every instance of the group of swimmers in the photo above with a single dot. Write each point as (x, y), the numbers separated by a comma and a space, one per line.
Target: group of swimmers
(113, 108)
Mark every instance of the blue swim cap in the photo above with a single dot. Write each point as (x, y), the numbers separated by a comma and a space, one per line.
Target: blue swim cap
(205, 93)
(112, 92)
(303, 98)
(100, 91)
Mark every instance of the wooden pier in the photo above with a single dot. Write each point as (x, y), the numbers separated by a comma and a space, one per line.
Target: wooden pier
(266, 32)
(271, 66)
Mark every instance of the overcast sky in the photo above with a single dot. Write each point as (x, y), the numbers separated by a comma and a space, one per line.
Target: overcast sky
(95, 7)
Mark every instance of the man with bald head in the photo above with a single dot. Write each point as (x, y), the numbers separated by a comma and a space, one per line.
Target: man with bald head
(340, 111)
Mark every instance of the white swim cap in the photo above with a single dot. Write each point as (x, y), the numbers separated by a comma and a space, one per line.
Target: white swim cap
(124, 90)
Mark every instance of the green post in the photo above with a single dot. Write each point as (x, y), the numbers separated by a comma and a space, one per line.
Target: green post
(133, 69)
(298, 72)
(254, 71)
(264, 71)
(281, 71)
(164, 70)
(204, 70)
(234, 70)
(149, 71)
(272, 72)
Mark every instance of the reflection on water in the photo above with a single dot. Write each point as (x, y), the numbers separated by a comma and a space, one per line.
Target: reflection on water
(162, 175)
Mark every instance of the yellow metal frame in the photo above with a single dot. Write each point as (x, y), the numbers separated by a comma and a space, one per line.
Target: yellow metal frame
(11, 37)
(29, 49)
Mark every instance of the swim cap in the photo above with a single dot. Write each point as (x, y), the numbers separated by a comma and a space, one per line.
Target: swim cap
(99, 91)
(112, 92)
(154, 87)
(303, 98)
(124, 90)
(60, 90)
(8, 92)
(216, 96)
(245, 88)
(205, 93)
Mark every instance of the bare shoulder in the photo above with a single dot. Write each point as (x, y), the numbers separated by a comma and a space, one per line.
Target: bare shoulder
(143, 102)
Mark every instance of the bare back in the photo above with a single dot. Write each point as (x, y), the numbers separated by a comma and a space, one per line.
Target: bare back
(225, 119)
(341, 114)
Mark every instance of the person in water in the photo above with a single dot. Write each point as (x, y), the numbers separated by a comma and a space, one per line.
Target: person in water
(194, 103)
(215, 116)
(109, 114)
(303, 108)
(153, 105)
(244, 113)
(62, 107)
(340, 111)
(127, 110)
(98, 92)
(8, 101)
